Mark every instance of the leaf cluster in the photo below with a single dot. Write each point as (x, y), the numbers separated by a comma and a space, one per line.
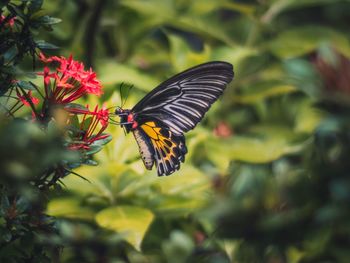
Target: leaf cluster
(18, 38)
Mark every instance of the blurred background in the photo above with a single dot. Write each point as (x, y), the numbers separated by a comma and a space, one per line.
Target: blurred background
(266, 178)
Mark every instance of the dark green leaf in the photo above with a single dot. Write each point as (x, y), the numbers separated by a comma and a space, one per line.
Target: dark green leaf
(10, 54)
(15, 10)
(41, 44)
(90, 162)
(102, 141)
(75, 106)
(86, 124)
(48, 20)
(35, 5)
(93, 149)
(27, 85)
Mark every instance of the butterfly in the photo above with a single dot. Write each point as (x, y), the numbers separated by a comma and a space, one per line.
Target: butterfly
(159, 120)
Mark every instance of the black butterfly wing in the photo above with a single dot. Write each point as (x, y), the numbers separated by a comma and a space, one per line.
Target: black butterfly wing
(181, 101)
(175, 107)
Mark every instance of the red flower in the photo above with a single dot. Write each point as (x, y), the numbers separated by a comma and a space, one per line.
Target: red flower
(10, 22)
(24, 100)
(70, 81)
(223, 130)
(91, 126)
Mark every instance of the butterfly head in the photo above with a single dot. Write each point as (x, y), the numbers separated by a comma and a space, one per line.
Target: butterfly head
(120, 111)
(126, 119)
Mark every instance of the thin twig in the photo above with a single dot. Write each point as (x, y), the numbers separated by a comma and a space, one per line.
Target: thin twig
(82, 177)
(36, 88)
(92, 28)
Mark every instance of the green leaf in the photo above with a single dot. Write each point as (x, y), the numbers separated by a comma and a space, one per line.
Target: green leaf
(204, 6)
(41, 44)
(10, 54)
(182, 56)
(75, 106)
(207, 6)
(246, 9)
(86, 124)
(48, 20)
(5, 203)
(277, 7)
(90, 162)
(102, 142)
(303, 75)
(38, 14)
(205, 26)
(178, 248)
(6, 235)
(168, 12)
(69, 207)
(188, 181)
(129, 220)
(93, 149)
(303, 40)
(22, 204)
(15, 10)
(97, 184)
(268, 144)
(27, 85)
(163, 8)
(308, 118)
(75, 123)
(233, 55)
(112, 73)
(180, 206)
(263, 90)
(35, 5)
(181, 193)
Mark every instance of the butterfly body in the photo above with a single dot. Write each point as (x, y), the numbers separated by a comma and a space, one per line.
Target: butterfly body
(161, 118)
(145, 148)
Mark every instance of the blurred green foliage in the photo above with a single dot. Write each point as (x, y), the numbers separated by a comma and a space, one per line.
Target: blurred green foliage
(266, 176)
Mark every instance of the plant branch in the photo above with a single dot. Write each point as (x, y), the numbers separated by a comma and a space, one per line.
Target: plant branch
(92, 28)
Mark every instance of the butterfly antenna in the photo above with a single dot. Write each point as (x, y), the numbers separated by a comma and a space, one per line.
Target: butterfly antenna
(127, 95)
(112, 108)
(111, 121)
(121, 93)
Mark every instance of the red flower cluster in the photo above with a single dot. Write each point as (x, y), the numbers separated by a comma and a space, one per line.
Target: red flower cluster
(90, 121)
(69, 82)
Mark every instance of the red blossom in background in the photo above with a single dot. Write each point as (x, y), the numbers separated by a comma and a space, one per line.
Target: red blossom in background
(10, 22)
(69, 82)
(91, 126)
(336, 75)
(223, 130)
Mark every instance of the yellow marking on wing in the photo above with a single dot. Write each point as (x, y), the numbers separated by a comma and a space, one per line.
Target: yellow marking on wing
(160, 144)
(151, 123)
(157, 138)
(151, 132)
(168, 153)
